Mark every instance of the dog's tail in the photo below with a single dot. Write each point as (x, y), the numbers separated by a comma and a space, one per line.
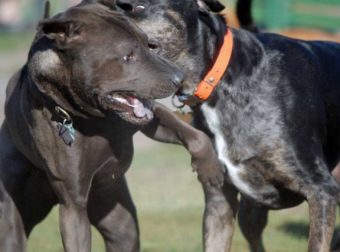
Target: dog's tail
(47, 9)
(243, 12)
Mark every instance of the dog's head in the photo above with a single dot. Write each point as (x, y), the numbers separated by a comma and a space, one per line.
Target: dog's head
(176, 30)
(93, 61)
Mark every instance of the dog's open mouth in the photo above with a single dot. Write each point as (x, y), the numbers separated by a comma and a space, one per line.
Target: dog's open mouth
(129, 107)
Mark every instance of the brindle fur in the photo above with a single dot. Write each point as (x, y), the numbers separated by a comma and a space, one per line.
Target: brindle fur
(277, 106)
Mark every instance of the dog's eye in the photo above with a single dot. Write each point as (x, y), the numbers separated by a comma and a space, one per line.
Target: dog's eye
(139, 9)
(129, 57)
(154, 46)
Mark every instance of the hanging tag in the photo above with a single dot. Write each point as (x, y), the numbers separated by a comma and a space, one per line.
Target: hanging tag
(66, 132)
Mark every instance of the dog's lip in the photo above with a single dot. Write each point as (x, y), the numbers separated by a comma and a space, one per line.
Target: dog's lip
(131, 104)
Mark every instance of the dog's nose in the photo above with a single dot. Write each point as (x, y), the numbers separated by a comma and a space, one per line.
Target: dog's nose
(178, 78)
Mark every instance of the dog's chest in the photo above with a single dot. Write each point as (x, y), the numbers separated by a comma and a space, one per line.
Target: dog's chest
(214, 124)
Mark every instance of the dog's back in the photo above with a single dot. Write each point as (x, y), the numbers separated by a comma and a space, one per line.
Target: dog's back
(311, 69)
(328, 54)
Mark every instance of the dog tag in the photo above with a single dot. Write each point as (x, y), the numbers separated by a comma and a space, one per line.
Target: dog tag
(66, 132)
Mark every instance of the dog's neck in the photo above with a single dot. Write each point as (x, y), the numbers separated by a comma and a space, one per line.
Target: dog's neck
(213, 28)
(247, 51)
(203, 44)
(216, 25)
(248, 65)
(247, 55)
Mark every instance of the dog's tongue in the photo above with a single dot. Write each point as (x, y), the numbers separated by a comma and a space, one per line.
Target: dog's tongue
(139, 110)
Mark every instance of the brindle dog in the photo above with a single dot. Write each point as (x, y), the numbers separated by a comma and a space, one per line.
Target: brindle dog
(274, 117)
(71, 112)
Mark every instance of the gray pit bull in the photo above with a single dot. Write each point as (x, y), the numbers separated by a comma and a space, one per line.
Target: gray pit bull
(71, 112)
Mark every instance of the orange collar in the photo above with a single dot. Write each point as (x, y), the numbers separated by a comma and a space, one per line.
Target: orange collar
(213, 77)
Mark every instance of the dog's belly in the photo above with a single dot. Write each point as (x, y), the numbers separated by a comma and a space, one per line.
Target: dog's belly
(247, 180)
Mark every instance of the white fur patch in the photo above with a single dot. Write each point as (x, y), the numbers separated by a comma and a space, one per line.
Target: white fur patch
(48, 60)
(214, 125)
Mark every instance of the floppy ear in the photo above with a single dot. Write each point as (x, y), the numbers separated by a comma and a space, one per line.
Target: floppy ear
(63, 33)
(51, 76)
(213, 5)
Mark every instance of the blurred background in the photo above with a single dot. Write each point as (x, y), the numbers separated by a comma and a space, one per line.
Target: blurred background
(23, 14)
(305, 19)
(168, 197)
(19, 15)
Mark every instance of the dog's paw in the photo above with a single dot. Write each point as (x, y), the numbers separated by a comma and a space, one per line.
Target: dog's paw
(209, 170)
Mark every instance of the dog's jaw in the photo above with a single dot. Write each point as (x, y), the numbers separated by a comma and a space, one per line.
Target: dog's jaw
(128, 107)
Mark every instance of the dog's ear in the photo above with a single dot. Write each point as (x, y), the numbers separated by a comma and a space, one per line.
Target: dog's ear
(63, 33)
(47, 9)
(213, 5)
(51, 76)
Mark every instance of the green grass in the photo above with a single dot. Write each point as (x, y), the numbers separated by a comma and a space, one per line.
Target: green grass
(12, 41)
(170, 204)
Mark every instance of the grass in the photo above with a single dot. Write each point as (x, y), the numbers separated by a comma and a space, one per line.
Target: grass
(12, 41)
(170, 203)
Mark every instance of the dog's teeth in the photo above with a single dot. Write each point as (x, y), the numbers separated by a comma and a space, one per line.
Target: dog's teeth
(140, 110)
(122, 101)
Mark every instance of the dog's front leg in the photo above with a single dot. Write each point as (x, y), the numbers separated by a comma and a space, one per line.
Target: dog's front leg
(322, 213)
(252, 220)
(167, 127)
(112, 211)
(221, 206)
(74, 221)
(12, 235)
